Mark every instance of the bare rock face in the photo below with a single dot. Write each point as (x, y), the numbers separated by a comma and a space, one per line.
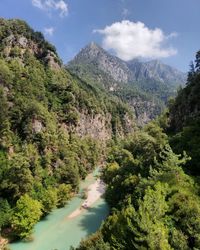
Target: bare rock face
(97, 126)
(144, 110)
(23, 44)
(51, 61)
(37, 126)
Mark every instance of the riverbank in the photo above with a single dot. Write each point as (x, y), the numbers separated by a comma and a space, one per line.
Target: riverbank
(57, 231)
(94, 192)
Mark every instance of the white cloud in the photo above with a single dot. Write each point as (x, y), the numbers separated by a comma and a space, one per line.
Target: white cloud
(52, 5)
(133, 39)
(49, 31)
(37, 3)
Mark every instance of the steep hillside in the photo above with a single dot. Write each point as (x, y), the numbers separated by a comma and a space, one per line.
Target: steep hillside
(186, 107)
(53, 127)
(156, 71)
(184, 118)
(148, 85)
(20, 45)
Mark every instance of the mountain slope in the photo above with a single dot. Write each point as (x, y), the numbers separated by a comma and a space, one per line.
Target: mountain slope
(148, 85)
(157, 71)
(184, 119)
(53, 128)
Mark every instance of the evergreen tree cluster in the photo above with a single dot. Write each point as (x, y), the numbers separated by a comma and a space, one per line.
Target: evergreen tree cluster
(154, 203)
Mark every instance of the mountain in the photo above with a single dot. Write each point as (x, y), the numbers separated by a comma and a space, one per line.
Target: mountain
(156, 71)
(146, 86)
(94, 54)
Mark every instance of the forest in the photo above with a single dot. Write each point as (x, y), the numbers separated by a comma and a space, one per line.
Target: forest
(153, 178)
(151, 173)
(42, 158)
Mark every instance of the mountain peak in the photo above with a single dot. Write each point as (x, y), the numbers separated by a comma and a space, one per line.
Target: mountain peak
(93, 45)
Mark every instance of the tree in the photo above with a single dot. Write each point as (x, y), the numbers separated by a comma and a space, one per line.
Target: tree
(5, 213)
(191, 73)
(26, 214)
(48, 198)
(93, 242)
(197, 61)
(185, 214)
(3, 112)
(142, 228)
(64, 194)
(17, 178)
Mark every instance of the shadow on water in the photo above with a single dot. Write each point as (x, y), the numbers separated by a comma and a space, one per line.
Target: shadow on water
(94, 217)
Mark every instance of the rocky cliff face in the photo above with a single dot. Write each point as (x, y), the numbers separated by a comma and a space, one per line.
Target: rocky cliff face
(16, 42)
(97, 126)
(94, 55)
(144, 110)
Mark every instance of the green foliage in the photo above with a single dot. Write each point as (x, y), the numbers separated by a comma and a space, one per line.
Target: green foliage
(17, 178)
(141, 229)
(189, 140)
(5, 213)
(184, 119)
(41, 155)
(26, 213)
(93, 242)
(49, 200)
(63, 194)
(155, 204)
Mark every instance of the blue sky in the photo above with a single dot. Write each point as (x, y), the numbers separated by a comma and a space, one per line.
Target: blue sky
(148, 29)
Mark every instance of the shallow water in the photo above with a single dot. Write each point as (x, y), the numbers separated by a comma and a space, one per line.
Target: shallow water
(57, 232)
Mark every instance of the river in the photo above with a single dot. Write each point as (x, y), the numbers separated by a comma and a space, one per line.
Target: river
(57, 231)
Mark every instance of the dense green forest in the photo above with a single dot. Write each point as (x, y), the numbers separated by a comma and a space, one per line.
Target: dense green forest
(152, 181)
(151, 174)
(42, 158)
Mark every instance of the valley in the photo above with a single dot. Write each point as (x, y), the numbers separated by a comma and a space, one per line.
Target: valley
(58, 122)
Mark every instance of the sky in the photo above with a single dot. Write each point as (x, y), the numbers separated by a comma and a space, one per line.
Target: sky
(167, 30)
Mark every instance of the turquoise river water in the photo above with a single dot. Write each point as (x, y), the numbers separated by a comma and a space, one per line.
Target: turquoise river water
(57, 232)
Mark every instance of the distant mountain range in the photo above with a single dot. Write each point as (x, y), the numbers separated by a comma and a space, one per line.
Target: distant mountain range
(146, 86)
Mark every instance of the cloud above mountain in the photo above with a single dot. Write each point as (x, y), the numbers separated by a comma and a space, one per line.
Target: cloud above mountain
(133, 39)
(52, 5)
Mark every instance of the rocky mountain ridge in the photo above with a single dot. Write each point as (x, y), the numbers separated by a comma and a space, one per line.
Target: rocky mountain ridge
(145, 86)
(130, 71)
